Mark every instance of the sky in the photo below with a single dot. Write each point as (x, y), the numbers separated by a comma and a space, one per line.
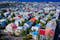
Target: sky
(32, 0)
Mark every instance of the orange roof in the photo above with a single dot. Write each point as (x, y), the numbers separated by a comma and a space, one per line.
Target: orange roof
(33, 19)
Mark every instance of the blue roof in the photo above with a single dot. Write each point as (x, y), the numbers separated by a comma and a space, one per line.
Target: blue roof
(35, 33)
(37, 25)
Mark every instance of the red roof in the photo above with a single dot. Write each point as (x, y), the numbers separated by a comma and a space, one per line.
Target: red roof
(41, 31)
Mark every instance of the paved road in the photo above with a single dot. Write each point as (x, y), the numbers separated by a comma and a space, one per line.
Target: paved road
(7, 37)
(57, 31)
